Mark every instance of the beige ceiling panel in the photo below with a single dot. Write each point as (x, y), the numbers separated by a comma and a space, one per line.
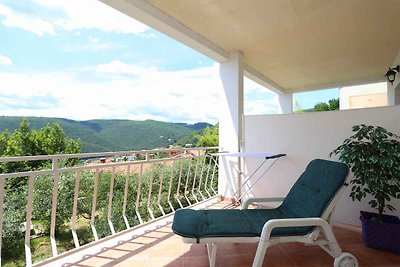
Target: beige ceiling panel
(299, 44)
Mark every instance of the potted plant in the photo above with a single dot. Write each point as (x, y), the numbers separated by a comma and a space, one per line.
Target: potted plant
(373, 154)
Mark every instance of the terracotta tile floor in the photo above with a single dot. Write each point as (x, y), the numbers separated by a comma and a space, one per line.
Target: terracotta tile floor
(161, 247)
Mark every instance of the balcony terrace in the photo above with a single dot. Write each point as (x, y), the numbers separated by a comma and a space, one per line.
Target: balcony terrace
(286, 46)
(156, 245)
(139, 227)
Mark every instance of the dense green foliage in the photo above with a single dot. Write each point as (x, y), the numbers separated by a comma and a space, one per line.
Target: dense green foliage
(26, 142)
(333, 104)
(373, 154)
(206, 138)
(112, 135)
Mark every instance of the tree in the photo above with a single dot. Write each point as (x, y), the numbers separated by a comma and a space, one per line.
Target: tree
(334, 104)
(26, 142)
(4, 138)
(297, 107)
(204, 138)
(209, 137)
(322, 106)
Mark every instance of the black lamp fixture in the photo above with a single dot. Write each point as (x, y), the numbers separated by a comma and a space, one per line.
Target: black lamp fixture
(391, 74)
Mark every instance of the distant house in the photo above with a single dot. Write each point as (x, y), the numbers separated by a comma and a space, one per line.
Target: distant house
(363, 96)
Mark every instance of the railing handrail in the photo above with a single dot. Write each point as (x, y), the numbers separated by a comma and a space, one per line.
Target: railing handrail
(99, 154)
(69, 169)
(189, 176)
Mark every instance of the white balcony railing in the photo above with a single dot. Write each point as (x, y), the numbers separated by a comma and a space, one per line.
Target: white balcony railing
(110, 191)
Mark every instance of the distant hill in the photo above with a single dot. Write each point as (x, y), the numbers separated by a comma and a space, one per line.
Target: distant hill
(112, 135)
(197, 126)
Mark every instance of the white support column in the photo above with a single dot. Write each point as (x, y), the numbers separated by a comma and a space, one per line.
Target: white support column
(286, 103)
(231, 123)
(393, 93)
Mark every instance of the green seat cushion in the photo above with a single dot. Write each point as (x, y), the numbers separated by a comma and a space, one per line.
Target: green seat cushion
(229, 223)
(308, 197)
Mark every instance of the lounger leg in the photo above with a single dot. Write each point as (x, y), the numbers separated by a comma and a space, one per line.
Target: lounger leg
(341, 259)
(260, 254)
(212, 253)
(334, 248)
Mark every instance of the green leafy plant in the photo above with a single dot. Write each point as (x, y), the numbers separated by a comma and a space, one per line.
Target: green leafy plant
(373, 154)
(332, 104)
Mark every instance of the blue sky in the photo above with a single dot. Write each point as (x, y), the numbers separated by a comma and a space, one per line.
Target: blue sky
(92, 62)
(307, 100)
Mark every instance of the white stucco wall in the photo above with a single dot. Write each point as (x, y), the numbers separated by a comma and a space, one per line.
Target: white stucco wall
(305, 137)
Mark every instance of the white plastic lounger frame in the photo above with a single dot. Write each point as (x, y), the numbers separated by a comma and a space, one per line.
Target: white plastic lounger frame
(326, 241)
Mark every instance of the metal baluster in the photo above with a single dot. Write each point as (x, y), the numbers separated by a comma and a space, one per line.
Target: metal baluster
(212, 177)
(170, 186)
(194, 180)
(201, 179)
(2, 181)
(110, 201)
(179, 184)
(74, 209)
(150, 191)
(138, 194)
(28, 255)
(160, 189)
(54, 208)
(208, 175)
(94, 204)
(128, 171)
(187, 182)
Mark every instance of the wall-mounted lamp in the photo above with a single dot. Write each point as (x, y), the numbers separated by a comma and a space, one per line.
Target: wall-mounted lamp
(391, 74)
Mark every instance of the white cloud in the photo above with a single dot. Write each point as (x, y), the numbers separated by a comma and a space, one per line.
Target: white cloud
(258, 99)
(180, 96)
(92, 14)
(86, 47)
(93, 40)
(126, 91)
(262, 106)
(5, 60)
(77, 14)
(118, 67)
(29, 23)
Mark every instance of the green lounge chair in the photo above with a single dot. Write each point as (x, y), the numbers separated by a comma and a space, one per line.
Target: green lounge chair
(303, 215)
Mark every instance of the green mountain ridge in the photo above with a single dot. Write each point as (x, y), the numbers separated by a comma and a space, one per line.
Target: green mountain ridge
(112, 135)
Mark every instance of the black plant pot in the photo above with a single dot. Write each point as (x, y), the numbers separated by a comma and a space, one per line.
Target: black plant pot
(383, 235)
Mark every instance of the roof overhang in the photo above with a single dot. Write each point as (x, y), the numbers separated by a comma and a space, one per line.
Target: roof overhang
(288, 45)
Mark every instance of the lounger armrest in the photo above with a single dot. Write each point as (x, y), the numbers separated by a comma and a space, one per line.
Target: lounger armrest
(296, 222)
(248, 201)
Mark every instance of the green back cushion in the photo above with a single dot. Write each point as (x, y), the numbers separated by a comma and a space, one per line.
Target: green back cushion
(307, 198)
(314, 189)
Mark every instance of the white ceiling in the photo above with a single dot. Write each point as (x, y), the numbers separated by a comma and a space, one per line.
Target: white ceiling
(297, 44)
